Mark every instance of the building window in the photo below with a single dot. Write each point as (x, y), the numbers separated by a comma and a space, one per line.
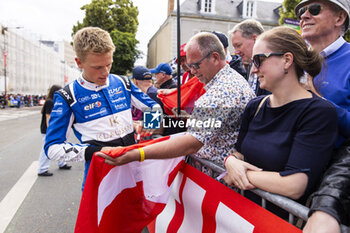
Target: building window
(249, 9)
(250, 5)
(208, 6)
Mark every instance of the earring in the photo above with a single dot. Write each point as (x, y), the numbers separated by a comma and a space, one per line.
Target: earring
(285, 71)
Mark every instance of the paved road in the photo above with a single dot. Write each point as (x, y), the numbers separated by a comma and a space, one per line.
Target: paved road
(28, 203)
(51, 204)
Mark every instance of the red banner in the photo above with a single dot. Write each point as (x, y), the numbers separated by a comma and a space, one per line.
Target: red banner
(199, 203)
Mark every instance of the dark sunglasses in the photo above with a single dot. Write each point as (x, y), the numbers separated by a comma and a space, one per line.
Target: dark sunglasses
(257, 57)
(314, 9)
(195, 65)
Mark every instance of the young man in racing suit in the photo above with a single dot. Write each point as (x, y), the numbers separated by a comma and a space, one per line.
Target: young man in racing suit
(97, 105)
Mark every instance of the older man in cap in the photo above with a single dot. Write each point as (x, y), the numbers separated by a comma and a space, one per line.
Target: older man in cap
(164, 80)
(322, 24)
(142, 78)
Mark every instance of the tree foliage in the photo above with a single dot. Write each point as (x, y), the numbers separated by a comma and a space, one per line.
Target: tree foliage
(119, 18)
(347, 36)
(287, 11)
(125, 53)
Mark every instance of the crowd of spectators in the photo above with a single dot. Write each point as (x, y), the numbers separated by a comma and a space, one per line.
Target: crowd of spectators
(285, 91)
(20, 100)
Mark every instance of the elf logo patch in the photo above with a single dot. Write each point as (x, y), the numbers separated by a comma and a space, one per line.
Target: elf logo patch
(88, 107)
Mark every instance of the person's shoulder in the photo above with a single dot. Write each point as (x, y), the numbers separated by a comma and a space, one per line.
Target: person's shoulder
(115, 78)
(234, 76)
(120, 80)
(49, 101)
(346, 45)
(321, 106)
(48, 105)
(152, 89)
(171, 84)
(256, 100)
(343, 51)
(321, 101)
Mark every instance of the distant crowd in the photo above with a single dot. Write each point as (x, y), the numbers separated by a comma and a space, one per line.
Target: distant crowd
(19, 100)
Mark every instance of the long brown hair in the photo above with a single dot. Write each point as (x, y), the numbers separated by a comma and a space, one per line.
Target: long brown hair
(50, 94)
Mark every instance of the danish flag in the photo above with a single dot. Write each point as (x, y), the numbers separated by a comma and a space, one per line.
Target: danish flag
(127, 198)
(198, 203)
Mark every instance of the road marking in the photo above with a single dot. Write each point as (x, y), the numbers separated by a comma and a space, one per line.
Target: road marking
(14, 115)
(14, 198)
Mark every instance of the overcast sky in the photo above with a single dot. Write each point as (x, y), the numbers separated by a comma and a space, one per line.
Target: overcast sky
(54, 19)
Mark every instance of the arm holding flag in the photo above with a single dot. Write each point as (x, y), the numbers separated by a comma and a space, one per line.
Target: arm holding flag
(175, 147)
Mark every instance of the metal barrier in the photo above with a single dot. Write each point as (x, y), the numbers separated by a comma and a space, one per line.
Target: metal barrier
(293, 208)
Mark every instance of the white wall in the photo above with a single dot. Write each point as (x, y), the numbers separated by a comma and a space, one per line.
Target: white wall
(32, 67)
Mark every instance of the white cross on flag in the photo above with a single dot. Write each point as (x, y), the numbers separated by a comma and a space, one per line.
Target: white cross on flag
(127, 198)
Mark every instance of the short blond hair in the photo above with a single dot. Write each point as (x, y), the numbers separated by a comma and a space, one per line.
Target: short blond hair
(92, 40)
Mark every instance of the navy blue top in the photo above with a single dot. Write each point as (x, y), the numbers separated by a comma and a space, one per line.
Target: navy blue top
(296, 137)
(152, 92)
(48, 106)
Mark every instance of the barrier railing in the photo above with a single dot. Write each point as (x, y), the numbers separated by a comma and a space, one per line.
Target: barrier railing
(293, 208)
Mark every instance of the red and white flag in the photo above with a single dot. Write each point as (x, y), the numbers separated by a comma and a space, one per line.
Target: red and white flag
(125, 198)
(200, 204)
(190, 92)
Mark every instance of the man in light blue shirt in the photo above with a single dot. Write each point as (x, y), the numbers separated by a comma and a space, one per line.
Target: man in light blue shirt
(322, 24)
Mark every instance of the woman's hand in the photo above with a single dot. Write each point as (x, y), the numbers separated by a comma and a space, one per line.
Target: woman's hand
(130, 156)
(237, 173)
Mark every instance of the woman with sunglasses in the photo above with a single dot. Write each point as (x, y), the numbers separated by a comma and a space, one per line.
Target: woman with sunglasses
(289, 134)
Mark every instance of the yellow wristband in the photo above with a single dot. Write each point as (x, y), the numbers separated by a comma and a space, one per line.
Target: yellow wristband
(142, 154)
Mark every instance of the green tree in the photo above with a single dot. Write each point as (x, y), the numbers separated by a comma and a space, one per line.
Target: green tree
(347, 36)
(287, 11)
(119, 18)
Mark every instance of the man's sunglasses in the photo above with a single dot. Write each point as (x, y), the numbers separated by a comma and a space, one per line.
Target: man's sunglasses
(195, 65)
(257, 57)
(314, 9)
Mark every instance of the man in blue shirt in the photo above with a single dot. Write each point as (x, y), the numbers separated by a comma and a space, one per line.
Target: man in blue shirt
(162, 73)
(322, 24)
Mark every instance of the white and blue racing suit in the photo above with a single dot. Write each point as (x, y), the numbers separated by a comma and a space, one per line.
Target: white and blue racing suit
(99, 115)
